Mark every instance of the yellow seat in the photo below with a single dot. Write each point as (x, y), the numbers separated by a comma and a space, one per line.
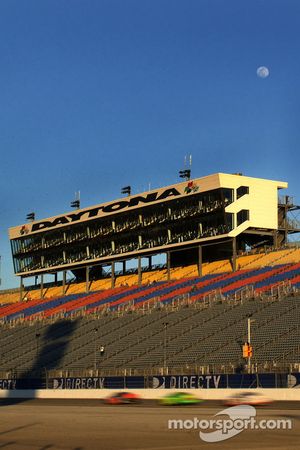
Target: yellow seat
(273, 258)
(216, 267)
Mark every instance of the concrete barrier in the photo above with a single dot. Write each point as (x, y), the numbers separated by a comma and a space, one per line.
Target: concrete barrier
(148, 394)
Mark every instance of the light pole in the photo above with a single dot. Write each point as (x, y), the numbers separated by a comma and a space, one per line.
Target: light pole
(249, 321)
(165, 324)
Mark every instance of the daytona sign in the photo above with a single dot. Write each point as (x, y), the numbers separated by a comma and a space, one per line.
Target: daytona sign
(106, 209)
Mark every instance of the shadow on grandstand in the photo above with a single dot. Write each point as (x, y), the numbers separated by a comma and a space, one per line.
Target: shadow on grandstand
(51, 346)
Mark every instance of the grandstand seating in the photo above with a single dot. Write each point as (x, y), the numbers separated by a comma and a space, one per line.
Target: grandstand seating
(288, 255)
(183, 272)
(9, 297)
(212, 334)
(264, 259)
(217, 267)
(153, 276)
(194, 287)
(292, 257)
(189, 319)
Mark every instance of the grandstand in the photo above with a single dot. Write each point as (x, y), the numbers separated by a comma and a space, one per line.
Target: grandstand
(228, 258)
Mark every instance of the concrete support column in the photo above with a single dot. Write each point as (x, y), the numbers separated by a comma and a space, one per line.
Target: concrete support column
(64, 282)
(168, 266)
(234, 254)
(275, 240)
(21, 288)
(87, 279)
(113, 280)
(139, 270)
(200, 261)
(42, 286)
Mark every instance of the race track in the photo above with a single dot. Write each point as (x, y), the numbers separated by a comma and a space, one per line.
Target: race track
(89, 425)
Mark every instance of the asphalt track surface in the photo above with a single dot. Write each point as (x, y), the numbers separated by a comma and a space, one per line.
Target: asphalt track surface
(90, 425)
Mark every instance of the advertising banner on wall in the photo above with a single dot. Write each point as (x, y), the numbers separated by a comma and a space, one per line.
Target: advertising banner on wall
(210, 381)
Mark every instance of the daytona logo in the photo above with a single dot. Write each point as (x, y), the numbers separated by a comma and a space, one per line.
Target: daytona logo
(106, 209)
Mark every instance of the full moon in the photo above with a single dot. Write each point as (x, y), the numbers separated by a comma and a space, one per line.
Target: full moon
(263, 72)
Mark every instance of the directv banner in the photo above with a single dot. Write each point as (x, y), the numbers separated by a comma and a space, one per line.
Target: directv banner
(232, 381)
(189, 382)
(22, 383)
(8, 384)
(97, 383)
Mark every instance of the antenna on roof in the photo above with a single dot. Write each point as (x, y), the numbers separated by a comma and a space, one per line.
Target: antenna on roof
(188, 160)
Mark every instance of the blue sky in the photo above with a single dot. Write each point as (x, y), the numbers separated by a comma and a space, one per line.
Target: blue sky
(98, 94)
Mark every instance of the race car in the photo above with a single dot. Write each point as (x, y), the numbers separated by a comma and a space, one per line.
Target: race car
(123, 398)
(179, 398)
(247, 398)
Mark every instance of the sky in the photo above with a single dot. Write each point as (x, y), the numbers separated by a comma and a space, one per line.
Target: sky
(99, 94)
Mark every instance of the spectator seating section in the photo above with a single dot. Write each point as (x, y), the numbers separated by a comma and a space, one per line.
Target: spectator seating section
(202, 336)
(72, 327)
(195, 288)
(250, 261)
